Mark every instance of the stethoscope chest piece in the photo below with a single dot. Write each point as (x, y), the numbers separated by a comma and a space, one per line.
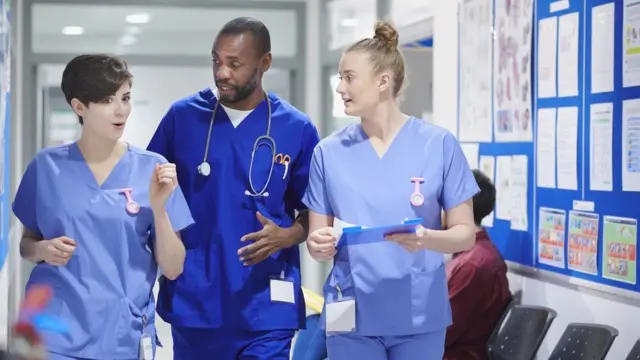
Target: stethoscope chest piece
(204, 168)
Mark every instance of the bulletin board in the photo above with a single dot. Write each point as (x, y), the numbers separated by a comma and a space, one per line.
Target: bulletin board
(583, 173)
(5, 131)
(479, 114)
(601, 233)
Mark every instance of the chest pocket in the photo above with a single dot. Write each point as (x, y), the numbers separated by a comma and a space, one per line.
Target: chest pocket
(271, 173)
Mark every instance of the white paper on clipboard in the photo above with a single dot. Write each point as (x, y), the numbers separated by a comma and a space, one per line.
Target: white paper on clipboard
(339, 226)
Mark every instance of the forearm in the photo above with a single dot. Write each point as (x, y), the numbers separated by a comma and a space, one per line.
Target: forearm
(30, 249)
(455, 239)
(300, 228)
(169, 249)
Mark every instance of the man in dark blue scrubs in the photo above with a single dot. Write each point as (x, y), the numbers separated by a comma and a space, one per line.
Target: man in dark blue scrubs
(243, 160)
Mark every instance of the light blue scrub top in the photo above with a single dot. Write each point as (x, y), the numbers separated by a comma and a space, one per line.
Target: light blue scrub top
(396, 292)
(216, 290)
(105, 289)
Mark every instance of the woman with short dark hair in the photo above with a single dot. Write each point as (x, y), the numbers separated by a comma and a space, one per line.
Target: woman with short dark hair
(100, 216)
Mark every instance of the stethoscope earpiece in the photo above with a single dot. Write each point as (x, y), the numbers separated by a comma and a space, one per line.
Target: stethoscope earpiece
(204, 168)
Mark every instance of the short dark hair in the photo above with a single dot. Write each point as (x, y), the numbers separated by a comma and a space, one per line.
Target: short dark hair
(243, 25)
(94, 77)
(485, 201)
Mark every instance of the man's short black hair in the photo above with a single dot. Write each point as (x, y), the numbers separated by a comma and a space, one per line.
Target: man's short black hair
(243, 25)
(93, 78)
(485, 201)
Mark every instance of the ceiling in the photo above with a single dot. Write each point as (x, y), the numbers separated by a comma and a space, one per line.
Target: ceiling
(352, 20)
(170, 31)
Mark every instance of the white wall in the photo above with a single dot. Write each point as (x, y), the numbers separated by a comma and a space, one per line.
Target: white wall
(312, 272)
(571, 305)
(349, 21)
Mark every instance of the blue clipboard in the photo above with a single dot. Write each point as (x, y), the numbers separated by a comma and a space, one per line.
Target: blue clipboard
(357, 235)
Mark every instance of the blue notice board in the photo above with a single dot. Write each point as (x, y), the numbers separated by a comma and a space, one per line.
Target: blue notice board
(585, 228)
(600, 242)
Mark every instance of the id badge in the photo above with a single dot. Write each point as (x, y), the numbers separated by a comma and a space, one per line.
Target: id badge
(146, 347)
(282, 290)
(341, 316)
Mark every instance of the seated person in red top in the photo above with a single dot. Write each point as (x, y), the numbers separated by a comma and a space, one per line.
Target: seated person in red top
(478, 286)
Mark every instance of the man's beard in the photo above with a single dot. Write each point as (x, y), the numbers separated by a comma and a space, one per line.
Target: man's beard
(242, 92)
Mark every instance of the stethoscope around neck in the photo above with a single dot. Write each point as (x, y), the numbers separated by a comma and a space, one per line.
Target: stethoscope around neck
(204, 168)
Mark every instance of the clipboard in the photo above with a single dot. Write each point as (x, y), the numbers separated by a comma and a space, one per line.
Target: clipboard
(357, 235)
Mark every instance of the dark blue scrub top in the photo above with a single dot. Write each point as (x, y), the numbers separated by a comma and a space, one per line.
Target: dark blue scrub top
(216, 289)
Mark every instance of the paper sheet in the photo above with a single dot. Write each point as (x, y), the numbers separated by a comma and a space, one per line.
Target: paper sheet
(518, 193)
(601, 147)
(546, 148)
(567, 148)
(503, 183)
(487, 165)
(551, 241)
(568, 31)
(583, 242)
(512, 71)
(631, 44)
(471, 152)
(631, 145)
(547, 49)
(338, 227)
(602, 50)
(620, 243)
(475, 71)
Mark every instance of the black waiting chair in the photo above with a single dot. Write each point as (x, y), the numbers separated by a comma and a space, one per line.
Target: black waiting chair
(494, 333)
(584, 342)
(521, 333)
(516, 298)
(634, 354)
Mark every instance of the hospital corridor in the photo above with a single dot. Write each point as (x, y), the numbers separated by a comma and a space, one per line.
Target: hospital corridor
(319, 180)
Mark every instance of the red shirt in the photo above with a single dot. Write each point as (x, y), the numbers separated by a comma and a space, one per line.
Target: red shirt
(479, 293)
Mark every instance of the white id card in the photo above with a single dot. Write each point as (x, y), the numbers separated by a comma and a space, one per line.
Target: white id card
(341, 316)
(282, 291)
(146, 347)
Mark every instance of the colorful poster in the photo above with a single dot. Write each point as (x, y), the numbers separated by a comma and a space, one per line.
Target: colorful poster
(512, 71)
(551, 237)
(476, 17)
(620, 244)
(583, 242)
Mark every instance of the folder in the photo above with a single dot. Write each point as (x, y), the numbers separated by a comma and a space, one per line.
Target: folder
(357, 235)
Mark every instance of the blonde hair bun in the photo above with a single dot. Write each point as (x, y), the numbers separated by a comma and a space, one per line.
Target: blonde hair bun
(386, 34)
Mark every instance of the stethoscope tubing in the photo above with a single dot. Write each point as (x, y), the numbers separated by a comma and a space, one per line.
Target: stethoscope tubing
(269, 141)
